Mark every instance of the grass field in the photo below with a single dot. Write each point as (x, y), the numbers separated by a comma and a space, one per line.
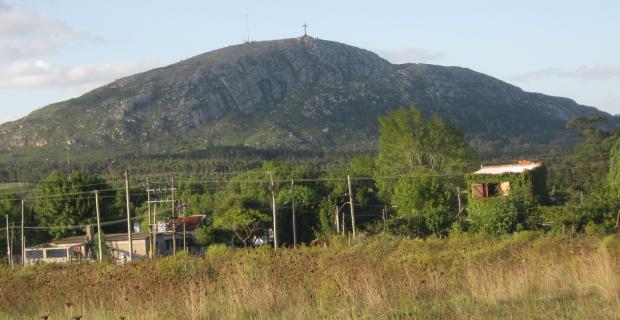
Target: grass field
(525, 275)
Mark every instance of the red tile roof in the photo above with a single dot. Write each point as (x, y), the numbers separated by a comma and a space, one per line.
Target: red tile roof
(191, 222)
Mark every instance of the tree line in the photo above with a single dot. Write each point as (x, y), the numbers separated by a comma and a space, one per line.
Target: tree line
(409, 187)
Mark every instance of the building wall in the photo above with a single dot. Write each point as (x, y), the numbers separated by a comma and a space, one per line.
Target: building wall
(506, 213)
(140, 248)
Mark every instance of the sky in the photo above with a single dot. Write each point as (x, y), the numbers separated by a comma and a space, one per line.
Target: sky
(53, 50)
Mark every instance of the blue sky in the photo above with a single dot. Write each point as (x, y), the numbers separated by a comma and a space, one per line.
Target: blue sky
(51, 50)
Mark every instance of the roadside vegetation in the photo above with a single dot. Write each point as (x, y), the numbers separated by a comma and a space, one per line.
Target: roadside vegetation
(522, 275)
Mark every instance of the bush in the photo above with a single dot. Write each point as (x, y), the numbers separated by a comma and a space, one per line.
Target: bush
(177, 266)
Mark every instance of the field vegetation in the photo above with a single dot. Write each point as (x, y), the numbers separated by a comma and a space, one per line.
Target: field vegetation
(522, 275)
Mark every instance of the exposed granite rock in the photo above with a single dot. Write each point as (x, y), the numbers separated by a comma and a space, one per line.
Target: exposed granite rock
(298, 93)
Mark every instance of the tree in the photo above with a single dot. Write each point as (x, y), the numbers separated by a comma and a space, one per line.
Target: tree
(9, 205)
(63, 201)
(614, 167)
(587, 166)
(416, 159)
(241, 216)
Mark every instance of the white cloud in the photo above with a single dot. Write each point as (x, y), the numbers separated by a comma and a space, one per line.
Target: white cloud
(409, 55)
(25, 34)
(42, 74)
(581, 73)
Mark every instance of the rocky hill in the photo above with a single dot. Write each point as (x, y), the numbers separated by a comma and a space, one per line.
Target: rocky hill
(300, 93)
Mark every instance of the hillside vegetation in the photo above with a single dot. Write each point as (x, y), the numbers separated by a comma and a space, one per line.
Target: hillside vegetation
(301, 93)
(523, 275)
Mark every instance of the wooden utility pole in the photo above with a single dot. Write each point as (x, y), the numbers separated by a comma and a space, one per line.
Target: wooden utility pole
(293, 209)
(174, 219)
(129, 238)
(337, 217)
(12, 241)
(184, 231)
(99, 242)
(154, 247)
(344, 219)
(458, 197)
(273, 209)
(23, 238)
(351, 205)
(8, 242)
(148, 209)
(383, 213)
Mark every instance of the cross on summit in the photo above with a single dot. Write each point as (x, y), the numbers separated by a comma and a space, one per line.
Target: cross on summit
(305, 26)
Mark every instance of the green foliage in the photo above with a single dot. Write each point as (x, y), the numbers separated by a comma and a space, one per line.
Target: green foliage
(9, 205)
(614, 167)
(326, 220)
(239, 216)
(430, 200)
(105, 249)
(63, 201)
(177, 266)
(505, 214)
(420, 154)
(587, 166)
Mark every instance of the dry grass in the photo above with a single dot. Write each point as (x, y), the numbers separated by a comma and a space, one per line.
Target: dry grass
(468, 276)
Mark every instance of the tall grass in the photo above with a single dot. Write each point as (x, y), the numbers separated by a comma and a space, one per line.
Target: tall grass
(525, 275)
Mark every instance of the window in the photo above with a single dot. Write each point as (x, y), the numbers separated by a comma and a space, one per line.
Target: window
(484, 190)
(505, 188)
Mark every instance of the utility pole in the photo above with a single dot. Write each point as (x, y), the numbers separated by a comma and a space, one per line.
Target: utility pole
(100, 243)
(344, 221)
(23, 238)
(184, 232)
(12, 241)
(293, 209)
(8, 242)
(273, 208)
(337, 218)
(383, 213)
(351, 205)
(154, 230)
(148, 209)
(174, 220)
(129, 238)
(458, 197)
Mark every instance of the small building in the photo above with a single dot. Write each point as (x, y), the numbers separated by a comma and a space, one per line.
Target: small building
(80, 248)
(524, 178)
(502, 197)
(75, 248)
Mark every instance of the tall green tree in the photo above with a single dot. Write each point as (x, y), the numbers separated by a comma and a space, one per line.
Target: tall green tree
(415, 165)
(587, 167)
(63, 201)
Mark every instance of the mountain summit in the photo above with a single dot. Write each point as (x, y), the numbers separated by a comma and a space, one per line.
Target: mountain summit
(300, 93)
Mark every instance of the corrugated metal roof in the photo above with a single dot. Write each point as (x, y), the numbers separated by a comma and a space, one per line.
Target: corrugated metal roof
(519, 167)
(123, 236)
(70, 240)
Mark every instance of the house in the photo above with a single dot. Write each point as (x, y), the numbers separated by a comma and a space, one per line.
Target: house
(502, 198)
(75, 248)
(82, 247)
(524, 178)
